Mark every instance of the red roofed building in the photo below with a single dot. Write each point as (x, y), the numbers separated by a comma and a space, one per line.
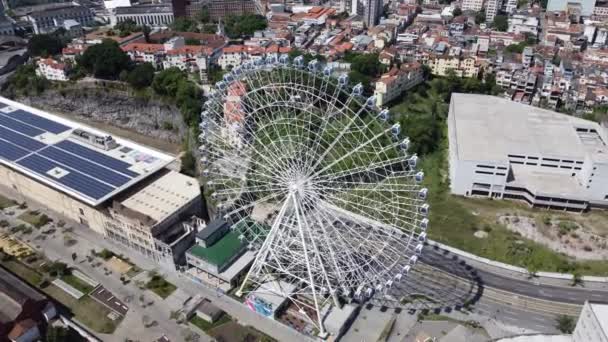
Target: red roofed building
(234, 113)
(145, 53)
(52, 70)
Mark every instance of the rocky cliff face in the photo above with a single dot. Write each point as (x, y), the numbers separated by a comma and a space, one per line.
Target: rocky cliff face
(149, 117)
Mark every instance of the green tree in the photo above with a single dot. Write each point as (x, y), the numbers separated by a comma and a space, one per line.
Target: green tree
(565, 324)
(480, 17)
(501, 23)
(184, 25)
(244, 25)
(126, 27)
(141, 76)
(577, 279)
(146, 31)
(167, 81)
(203, 15)
(23, 81)
(457, 11)
(105, 60)
(44, 45)
(57, 334)
(188, 164)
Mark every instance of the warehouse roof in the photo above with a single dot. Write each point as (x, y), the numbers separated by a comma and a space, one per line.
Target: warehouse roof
(490, 128)
(78, 160)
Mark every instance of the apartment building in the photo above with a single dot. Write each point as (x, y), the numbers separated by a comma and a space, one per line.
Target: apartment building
(52, 69)
(462, 66)
(472, 5)
(121, 190)
(398, 80)
(492, 8)
(507, 150)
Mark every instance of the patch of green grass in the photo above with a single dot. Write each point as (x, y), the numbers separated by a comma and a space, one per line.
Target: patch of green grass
(28, 274)
(35, 218)
(76, 283)
(6, 202)
(160, 286)
(453, 223)
(86, 310)
(133, 271)
(206, 326)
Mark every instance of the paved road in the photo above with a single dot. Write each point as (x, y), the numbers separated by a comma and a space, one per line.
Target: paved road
(573, 295)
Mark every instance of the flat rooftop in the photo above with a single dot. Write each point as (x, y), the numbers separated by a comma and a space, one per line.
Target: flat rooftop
(164, 196)
(490, 128)
(221, 251)
(601, 313)
(70, 157)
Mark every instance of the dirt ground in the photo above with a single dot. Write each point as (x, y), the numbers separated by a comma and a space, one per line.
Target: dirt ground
(565, 236)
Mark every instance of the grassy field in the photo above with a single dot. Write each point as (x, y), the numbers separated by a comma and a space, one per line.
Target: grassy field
(206, 326)
(34, 218)
(78, 284)
(6, 202)
(86, 310)
(28, 274)
(455, 219)
(160, 286)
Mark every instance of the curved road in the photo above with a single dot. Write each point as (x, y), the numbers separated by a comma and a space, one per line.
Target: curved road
(572, 295)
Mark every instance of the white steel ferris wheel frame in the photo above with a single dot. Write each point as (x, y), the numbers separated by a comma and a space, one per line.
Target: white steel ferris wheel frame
(347, 211)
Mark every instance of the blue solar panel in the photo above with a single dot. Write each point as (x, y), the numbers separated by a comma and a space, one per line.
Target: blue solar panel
(74, 179)
(97, 157)
(19, 127)
(38, 121)
(84, 166)
(10, 151)
(20, 140)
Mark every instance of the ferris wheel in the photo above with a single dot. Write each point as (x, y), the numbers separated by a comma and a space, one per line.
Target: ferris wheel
(315, 179)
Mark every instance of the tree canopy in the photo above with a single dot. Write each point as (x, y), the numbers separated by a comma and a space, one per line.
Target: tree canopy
(141, 76)
(480, 17)
(457, 11)
(45, 45)
(184, 25)
(364, 67)
(501, 23)
(174, 83)
(238, 26)
(126, 27)
(105, 60)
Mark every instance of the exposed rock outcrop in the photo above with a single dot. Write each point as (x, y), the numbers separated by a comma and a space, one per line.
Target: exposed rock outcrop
(150, 117)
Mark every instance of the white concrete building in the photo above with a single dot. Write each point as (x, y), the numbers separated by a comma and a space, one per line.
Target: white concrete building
(502, 149)
(492, 8)
(119, 189)
(49, 20)
(592, 325)
(157, 15)
(52, 70)
(392, 84)
(520, 24)
(587, 6)
(472, 5)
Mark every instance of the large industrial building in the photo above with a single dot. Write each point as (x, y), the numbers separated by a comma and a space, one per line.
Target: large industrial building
(503, 149)
(121, 190)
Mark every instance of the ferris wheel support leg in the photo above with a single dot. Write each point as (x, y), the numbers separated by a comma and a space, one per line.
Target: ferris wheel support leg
(310, 277)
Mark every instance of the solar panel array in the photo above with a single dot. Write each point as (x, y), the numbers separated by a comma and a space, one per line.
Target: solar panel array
(74, 166)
